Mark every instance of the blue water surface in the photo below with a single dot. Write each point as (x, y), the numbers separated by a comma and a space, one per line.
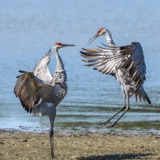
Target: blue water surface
(28, 29)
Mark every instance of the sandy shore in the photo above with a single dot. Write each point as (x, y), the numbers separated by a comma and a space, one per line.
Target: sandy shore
(87, 146)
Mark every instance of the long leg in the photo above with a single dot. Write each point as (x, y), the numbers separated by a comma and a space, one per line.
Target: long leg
(52, 114)
(51, 133)
(113, 116)
(126, 110)
(124, 107)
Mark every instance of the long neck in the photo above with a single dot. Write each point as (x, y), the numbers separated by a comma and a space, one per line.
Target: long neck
(109, 39)
(60, 73)
(60, 65)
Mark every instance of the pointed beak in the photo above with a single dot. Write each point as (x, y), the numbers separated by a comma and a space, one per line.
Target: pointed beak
(67, 45)
(93, 38)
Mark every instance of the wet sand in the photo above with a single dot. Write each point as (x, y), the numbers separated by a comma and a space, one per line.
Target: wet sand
(86, 146)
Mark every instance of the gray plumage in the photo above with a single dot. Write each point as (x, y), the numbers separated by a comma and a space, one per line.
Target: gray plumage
(40, 92)
(125, 63)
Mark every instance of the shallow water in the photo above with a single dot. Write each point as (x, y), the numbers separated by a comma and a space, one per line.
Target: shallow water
(29, 28)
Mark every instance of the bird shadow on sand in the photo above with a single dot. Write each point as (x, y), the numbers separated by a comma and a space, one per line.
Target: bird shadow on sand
(116, 157)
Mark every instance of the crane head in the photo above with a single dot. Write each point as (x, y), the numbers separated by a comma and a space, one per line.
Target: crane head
(59, 45)
(100, 32)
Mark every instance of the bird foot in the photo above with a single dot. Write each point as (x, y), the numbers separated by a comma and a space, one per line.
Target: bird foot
(107, 125)
(110, 126)
(103, 123)
(52, 157)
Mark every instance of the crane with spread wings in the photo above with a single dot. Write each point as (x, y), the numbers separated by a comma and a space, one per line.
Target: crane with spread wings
(125, 63)
(39, 92)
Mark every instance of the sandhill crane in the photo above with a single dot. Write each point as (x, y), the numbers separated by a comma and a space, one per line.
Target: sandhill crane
(39, 92)
(125, 63)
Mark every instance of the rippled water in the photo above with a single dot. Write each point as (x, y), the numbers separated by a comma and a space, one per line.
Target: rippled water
(29, 28)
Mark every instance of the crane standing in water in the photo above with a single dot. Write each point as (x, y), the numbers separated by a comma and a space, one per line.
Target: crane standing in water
(125, 63)
(40, 92)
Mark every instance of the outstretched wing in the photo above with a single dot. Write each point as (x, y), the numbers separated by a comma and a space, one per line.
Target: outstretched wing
(34, 94)
(136, 64)
(108, 60)
(41, 70)
(26, 90)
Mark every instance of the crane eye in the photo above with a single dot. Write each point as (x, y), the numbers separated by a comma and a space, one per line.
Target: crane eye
(58, 43)
(99, 30)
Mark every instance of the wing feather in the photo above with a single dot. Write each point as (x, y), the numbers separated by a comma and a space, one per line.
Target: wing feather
(128, 57)
(26, 89)
(41, 70)
(32, 92)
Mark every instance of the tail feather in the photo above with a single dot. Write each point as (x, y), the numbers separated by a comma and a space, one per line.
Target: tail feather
(142, 94)
(147, 98)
